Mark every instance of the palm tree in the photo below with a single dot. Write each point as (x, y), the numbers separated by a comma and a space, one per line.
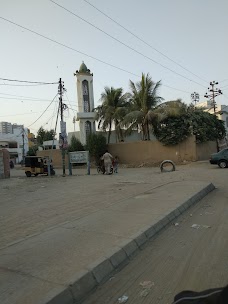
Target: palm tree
(143, 100)
(112, 110)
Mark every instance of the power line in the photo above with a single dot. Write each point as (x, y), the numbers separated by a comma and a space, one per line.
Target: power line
(223, 80)
(126, 45)
(43, 112)
(77, 51)
(224, 86)
(13, 98)
(142, 40)
(68, 47)
(21, 96)
(29, 113)
(37, 82)
(28, 98)
(176, 89)
(21, 85)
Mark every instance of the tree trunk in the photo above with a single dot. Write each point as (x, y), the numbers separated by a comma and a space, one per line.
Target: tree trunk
(121, 135)
(109, 132)
(148, 131)
(143, 132)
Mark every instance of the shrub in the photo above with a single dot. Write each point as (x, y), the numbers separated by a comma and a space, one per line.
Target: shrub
(96, 145)
(75, 145)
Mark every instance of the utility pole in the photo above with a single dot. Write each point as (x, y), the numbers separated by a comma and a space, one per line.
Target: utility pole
(214, 92)
(74, 121)
(23, 143)
(62, 106)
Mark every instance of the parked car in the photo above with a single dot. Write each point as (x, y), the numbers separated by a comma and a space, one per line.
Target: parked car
(220, 158)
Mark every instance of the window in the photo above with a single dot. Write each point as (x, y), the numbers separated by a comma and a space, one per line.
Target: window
(85, 93)
(87, 128)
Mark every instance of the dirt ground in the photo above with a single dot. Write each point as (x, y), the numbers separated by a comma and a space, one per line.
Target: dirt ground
(181, 257)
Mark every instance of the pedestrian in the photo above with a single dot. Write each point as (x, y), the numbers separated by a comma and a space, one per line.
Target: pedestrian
(107, 158)
(115, 164)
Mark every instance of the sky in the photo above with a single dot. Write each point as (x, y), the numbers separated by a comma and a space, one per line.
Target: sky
(193, 34)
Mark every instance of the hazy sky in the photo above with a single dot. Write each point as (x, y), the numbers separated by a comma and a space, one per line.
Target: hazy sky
(192, 33)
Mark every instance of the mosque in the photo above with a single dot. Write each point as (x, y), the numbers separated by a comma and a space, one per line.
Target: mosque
(85, 115)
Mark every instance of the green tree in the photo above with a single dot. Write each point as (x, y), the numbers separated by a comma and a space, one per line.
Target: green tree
(174, 129)
(32, 151)
(75, 145)
(111, 111)
(206, 126)
(143, 100)
(43, 135)
(96, 145)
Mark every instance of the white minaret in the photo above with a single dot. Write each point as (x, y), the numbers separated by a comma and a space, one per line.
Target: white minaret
(85, 115)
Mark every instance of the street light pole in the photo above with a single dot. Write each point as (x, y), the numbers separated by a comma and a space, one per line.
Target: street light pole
(23, 149)
(195, 97)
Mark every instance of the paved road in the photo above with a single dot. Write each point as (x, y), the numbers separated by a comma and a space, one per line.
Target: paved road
(181, 257)
(31, 208)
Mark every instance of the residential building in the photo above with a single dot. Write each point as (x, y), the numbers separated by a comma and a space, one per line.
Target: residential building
(6, 127)
(16, 143)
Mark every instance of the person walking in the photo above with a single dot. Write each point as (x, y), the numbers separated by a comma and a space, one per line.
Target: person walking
(107, 158)
(115, 164)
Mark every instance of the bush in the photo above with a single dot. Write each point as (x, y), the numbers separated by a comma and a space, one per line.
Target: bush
(96, 145)
(75, 145)
(32, 151)
(172, 130)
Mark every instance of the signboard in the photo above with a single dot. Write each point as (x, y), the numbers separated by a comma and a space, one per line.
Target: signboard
(63, 136)
(79, 157)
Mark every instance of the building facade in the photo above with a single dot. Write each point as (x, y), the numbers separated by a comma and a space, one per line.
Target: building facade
(85, 115)
(15, 142)
(6, 127)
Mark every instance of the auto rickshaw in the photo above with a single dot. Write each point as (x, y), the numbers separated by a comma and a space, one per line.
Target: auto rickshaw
(35, 165)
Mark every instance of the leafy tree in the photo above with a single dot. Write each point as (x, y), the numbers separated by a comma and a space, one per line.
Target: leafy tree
(43, 135)
(206, 126)
(143, 100)
(96, 145)
(173, 129)
(75, 145)
(112, 110)
(32, 151)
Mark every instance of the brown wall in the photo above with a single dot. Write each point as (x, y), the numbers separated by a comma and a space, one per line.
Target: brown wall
(150, 152)
(153, 151)
(4, 163)
(204, 150)
(56, 156)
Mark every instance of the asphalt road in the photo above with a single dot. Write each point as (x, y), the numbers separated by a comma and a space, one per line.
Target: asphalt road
(181, 257)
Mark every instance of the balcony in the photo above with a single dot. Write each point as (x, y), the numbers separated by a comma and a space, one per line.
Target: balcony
(85, 115)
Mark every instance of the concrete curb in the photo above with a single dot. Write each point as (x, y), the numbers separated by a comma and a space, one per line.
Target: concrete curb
(99, 271)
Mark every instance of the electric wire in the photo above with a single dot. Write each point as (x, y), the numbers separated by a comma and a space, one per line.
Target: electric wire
(77, 51)
(27, 81)
(142, 40)
(66, 46)
(20, 85)
(126, 45)
(43, 111)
